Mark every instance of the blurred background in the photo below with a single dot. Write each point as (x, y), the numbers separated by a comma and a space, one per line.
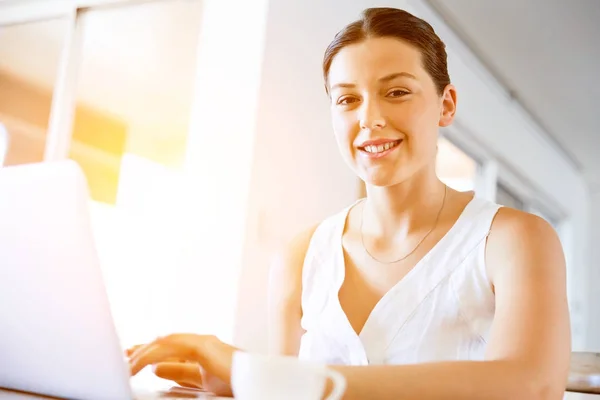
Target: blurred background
(203, 129)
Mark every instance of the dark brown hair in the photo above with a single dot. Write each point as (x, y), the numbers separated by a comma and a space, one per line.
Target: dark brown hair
(398, 24)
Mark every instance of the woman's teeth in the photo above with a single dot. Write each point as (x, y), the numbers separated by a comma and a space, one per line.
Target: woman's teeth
(382, 147)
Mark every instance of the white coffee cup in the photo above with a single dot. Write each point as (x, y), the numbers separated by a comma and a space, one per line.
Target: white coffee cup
(263, 377)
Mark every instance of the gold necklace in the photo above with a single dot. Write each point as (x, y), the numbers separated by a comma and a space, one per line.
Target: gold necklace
(362, 239)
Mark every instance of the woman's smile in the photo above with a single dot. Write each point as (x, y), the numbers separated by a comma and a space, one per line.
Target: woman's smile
(379, 148)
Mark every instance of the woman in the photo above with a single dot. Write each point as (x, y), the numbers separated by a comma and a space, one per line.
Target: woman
(417, 291)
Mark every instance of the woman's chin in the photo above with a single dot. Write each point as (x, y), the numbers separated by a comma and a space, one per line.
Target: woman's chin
(387, 176)
(380, 180)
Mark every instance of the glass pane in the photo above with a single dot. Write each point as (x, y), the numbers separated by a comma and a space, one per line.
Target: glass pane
(455, 167)
(129, 136)
(29, 59)
(506, 198)
(134, 91)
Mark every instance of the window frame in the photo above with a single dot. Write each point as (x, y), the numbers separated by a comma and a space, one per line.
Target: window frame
(62, 110)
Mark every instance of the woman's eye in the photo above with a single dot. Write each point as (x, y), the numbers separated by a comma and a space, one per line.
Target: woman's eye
(397, 93)
(346, 100)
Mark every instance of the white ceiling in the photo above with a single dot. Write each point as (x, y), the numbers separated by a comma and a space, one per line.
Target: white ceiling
(547, 52)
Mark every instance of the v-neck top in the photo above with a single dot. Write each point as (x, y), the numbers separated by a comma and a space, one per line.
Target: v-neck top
(442, 310)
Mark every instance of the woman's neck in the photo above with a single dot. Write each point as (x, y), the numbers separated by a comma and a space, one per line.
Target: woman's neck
(403, 208)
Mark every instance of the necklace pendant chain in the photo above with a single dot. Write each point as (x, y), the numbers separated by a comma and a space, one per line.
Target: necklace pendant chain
(418, 244)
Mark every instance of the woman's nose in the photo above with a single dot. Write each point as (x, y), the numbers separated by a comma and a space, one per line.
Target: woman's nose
(371, 117)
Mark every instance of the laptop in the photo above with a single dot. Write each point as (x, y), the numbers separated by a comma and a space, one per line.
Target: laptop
(57, 335)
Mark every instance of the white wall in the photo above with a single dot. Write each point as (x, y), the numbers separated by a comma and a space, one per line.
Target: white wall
(298, 176)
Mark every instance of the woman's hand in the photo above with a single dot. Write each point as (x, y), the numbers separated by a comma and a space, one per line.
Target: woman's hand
(180, 371)
(197, 361)
(186, 374)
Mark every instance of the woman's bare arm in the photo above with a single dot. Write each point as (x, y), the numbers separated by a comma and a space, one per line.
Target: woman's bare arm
(285, 293)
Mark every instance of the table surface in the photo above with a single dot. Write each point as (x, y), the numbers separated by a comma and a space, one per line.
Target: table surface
(6, 394)
(12, 395)
(584, 373)
(584, 384)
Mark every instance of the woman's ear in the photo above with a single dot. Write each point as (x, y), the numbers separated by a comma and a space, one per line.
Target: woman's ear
(448, 108)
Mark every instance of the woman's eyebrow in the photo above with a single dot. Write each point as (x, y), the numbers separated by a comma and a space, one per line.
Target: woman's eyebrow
(395, 75)
(384, 79)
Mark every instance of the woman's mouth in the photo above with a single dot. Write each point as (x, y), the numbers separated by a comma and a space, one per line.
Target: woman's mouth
(378, 150)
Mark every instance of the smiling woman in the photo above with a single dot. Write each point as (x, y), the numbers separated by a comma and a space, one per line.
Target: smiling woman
(417, 282)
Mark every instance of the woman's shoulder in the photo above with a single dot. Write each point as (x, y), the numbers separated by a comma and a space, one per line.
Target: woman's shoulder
(289, 260)
(511, 226)
(520, 238)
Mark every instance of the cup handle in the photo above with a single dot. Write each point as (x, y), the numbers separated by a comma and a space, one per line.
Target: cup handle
(339, 384)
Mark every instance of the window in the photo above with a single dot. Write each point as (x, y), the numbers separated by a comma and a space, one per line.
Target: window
(134, 92)
(455, 167)
(29, 59)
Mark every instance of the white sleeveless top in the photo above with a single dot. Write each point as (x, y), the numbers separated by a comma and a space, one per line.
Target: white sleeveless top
(442, 310)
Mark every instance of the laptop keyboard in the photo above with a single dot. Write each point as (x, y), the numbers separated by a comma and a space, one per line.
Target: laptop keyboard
(177, 394)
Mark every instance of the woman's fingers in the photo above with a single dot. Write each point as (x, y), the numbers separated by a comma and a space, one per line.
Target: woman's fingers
(147, 355)
(178, 346)
(129, 352)
(185, 374)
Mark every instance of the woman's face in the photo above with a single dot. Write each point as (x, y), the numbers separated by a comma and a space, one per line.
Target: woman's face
(386, 110)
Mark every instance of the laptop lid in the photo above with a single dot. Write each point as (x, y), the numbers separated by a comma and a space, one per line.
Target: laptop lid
(57, 336)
